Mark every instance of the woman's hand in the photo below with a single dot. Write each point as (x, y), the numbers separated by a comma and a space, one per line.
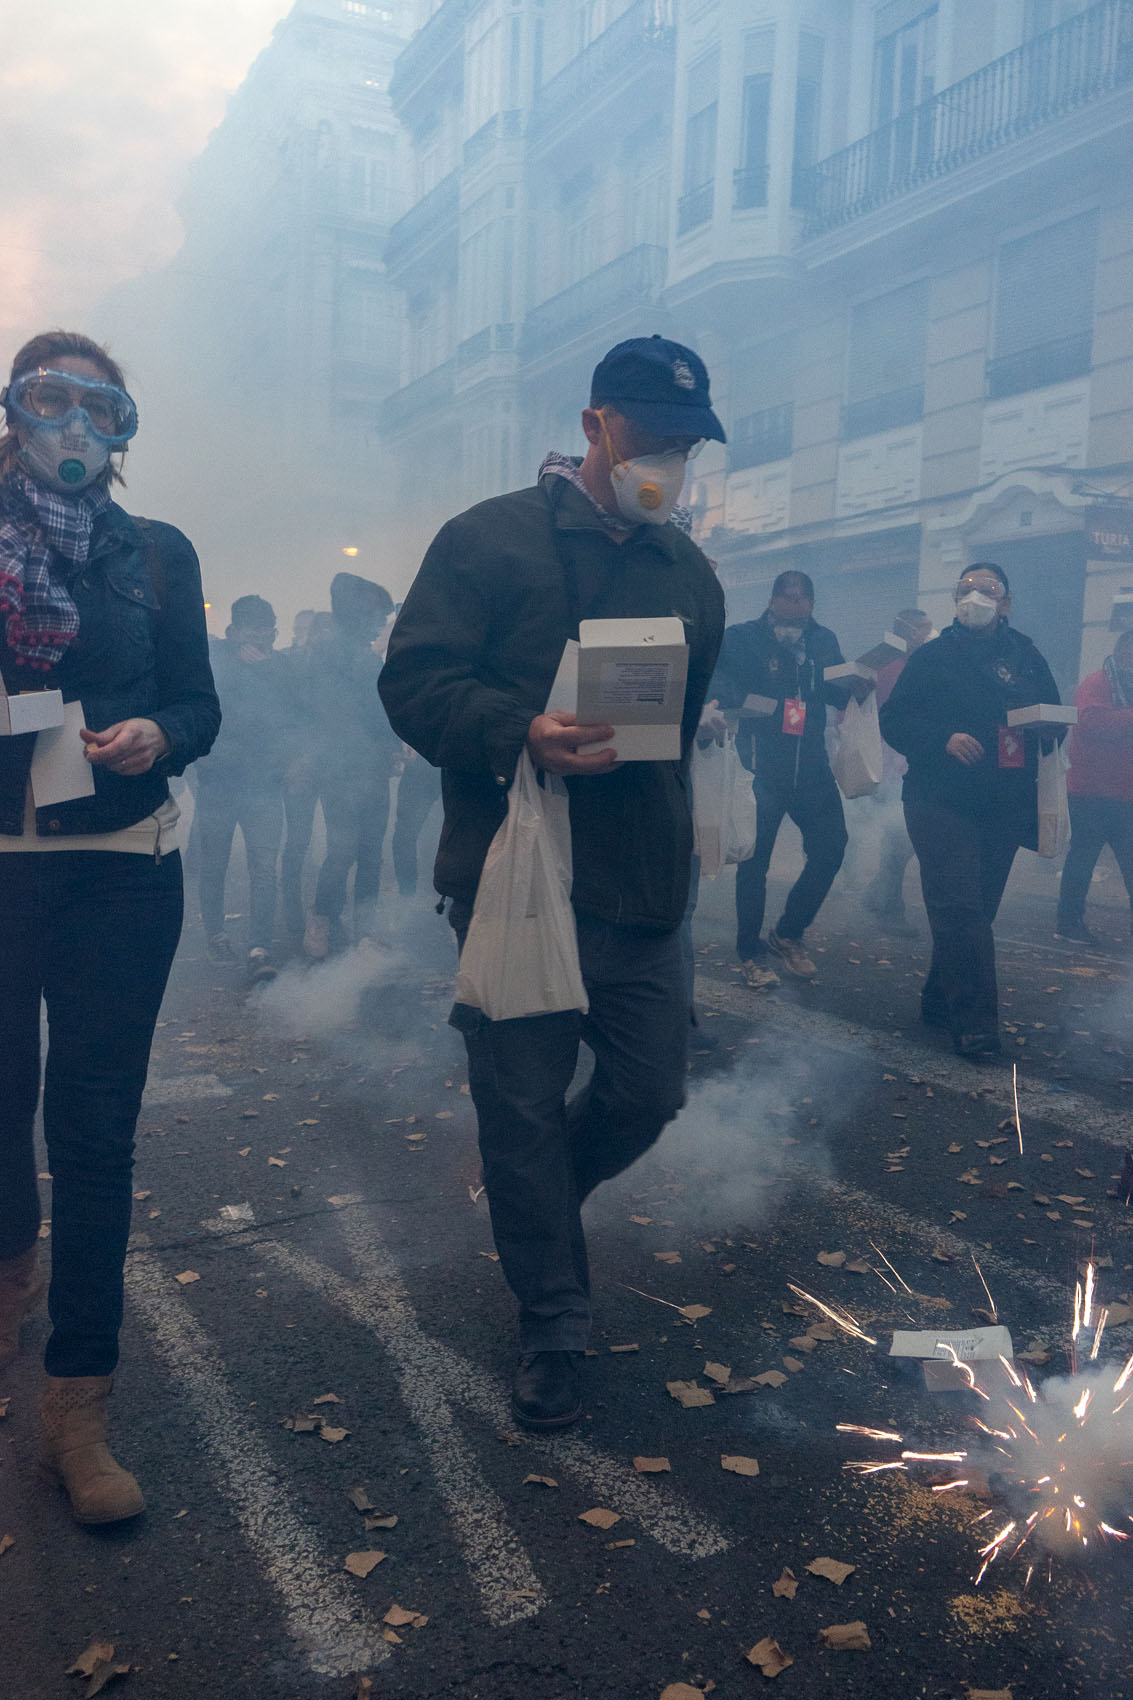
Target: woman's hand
(131, 747)
(965, 749)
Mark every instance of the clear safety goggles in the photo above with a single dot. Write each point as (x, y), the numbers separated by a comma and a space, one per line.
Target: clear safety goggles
(47, 396)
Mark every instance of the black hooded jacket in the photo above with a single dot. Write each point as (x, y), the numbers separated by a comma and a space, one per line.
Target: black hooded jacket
(965, 683)
(754, 663)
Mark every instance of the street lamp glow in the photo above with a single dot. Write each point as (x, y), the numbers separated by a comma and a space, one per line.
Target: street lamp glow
(351, 549)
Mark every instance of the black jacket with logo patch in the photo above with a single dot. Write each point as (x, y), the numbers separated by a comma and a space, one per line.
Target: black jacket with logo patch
(754, 663)
(471, 662)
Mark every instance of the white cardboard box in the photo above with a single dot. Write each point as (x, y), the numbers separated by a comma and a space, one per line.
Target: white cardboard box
(1043, 714)
(628, 674)
(30, 711)
(869, 665)
(60, 771)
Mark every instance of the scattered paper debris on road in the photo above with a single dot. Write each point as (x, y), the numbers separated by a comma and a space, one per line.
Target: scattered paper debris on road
(361, 1563)
(187, 1277)
(694, 1313)
(738, 1465)
(398, 1616)
(651, 1466)
(771, 1378)
(359, 1499)
(721, 1374)
(832, 1259)
(382, 1520)
(769, 1657)
(540, 1481)
(846, 1637)
(832, 1568)
(600, 1518)
(618, 1349)
(787, 1586)
(688, 1394)
(6, 1543)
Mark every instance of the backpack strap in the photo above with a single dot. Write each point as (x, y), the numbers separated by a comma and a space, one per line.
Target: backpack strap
(155, 566)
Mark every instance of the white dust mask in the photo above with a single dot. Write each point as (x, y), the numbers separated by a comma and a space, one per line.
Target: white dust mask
(648, 488)
(65, 454)
(976, 610)
(789, 635)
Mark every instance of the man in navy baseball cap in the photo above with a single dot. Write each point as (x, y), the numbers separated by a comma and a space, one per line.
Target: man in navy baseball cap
(659, 386)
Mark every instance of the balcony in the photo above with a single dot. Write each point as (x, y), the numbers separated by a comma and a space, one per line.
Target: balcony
(493, 339)
(427, 51)
(433, 391)
(634, 279)
(762, 437)
(642, 35)
(694, 208)
(1080, 61)
(749, 187)
(501, 127)
(886, 412)
(426, 221)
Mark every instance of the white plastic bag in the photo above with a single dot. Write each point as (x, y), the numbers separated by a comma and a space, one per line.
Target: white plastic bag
(521, 953)
(723, 807)
(1054, 810)
(857, 765)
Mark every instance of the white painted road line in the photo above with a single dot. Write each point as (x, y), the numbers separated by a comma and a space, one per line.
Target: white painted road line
(670, 1523)
(323, 1615)
(500, 1568)
(1074, 1111)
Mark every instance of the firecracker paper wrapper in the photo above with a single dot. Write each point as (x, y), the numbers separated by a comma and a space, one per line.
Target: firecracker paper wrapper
(969, 1346)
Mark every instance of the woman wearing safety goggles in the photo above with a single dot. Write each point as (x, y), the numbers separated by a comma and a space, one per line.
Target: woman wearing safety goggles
(104, 669)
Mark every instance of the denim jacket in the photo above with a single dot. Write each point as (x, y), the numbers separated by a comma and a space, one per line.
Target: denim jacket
(134, 656)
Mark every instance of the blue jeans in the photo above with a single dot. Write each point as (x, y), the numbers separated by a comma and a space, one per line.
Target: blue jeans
(815, 806)
(93, 933)
(543, 1157)
(221, 808)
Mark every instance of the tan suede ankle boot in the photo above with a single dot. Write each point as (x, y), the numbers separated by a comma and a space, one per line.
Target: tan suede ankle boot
(21, 1288)
(73, 1449)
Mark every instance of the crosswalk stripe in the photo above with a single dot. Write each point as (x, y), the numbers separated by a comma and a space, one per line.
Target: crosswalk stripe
(1073, 1111)
(500, 1568)
(670, 1523)
(323, 1617)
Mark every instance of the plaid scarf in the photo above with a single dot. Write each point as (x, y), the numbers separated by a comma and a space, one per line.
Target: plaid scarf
(566, 466)
(37, 526)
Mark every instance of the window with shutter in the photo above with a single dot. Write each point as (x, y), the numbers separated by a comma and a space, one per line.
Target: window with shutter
(885, 382)
(1044, 307)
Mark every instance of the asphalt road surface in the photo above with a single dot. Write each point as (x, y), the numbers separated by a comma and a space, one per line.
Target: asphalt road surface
(318, 1337)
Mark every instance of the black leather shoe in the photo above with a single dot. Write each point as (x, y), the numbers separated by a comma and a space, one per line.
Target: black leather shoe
(976, 1045)
(546, 1391)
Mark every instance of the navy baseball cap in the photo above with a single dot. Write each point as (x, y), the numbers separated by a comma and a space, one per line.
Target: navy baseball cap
(661, 386)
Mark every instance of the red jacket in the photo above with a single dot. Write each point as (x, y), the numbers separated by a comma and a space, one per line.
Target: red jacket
(1101, 745)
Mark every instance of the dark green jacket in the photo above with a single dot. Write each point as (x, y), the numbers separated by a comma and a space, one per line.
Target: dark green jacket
(471, 661)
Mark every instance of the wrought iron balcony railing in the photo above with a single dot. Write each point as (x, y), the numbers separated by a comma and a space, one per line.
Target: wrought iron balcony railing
(493, 339)
(1081, 60)
(634, 278)
(694, 208)
(434, 390)
(645, 31)
(761, 437)
(440, 207)
(426, 51)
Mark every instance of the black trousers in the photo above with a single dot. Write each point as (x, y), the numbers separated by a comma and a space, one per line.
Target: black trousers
(965, 864)
(1094, 823)
(93, 934)
(356, 812)
(815, 806)
(543, 1157)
